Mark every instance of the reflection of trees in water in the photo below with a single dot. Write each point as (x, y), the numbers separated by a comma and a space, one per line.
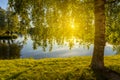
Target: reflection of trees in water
(9, 49)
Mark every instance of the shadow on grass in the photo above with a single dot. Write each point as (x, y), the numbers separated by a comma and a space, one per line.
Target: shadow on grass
(14, 77)
(106, 74)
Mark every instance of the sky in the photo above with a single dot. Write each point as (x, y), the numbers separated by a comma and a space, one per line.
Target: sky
(3, 4)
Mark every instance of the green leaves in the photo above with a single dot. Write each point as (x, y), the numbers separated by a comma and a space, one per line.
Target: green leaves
(2, 19)
(54, 17)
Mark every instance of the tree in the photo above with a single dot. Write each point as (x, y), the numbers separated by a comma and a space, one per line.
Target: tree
(48, 12)
(99, 41)
(12, 21)
(97, 63)
(2, 21)
(8, 21)
(2, 17)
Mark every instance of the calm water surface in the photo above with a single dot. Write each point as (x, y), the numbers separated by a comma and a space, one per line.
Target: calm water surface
(25, 48)
(59, 50)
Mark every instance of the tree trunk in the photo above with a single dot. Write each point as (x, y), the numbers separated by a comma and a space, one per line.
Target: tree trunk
(99, 41)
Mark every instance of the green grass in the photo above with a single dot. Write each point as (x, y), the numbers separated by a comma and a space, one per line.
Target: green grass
(75, 68)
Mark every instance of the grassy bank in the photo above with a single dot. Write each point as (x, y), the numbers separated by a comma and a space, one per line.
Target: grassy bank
(53, 69)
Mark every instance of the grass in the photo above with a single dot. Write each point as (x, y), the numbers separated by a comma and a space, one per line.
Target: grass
(75, 68)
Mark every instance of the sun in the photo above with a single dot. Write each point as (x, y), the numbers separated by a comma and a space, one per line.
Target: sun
(72, 23)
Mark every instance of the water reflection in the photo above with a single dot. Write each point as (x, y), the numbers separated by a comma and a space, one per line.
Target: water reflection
(27, 47)
(9, 49)
(60, 50)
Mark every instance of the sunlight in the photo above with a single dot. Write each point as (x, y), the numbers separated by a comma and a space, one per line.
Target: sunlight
(72, 23)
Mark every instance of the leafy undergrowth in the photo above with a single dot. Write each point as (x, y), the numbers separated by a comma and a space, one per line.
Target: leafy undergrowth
(76, 68)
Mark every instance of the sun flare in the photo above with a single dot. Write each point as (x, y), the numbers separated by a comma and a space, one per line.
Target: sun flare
(72, 24)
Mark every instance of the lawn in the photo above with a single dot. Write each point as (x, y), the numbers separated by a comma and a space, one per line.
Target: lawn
(74, 68)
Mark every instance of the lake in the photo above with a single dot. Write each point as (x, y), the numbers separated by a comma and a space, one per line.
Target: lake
(25, 47)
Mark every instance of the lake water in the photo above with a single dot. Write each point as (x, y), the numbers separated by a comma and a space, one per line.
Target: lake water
(56, 50)
(27, 50)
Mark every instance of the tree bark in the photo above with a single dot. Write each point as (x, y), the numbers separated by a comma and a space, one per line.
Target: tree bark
(99, 40)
